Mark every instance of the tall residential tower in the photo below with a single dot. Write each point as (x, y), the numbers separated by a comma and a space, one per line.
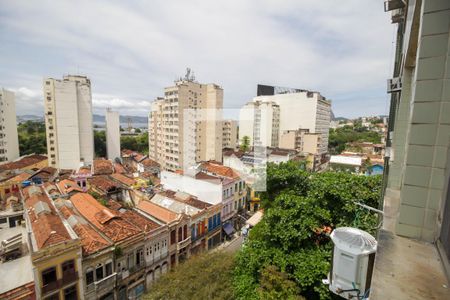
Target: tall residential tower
(185, 126)
(68, 121)
(112, 134)
(9, 141)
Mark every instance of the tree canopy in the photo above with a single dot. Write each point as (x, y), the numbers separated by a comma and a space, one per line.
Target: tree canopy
(340, 137)
(289, 249)
(32, 138)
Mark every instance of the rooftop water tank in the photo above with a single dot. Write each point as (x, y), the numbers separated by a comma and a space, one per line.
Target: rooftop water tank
(353, 261)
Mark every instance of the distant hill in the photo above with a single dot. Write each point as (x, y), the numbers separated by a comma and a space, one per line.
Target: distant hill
(24, 118)
(123, 119)
(96, 119)
(340, 119)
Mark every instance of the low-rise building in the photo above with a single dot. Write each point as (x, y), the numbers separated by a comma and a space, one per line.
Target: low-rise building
(32, 162)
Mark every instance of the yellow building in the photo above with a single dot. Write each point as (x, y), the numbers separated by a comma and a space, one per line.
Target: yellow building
(55, 249)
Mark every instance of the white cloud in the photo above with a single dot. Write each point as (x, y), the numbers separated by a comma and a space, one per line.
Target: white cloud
(132, 49)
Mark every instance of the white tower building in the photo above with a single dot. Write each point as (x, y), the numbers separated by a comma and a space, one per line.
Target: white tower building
(112, 134)
(9, 140)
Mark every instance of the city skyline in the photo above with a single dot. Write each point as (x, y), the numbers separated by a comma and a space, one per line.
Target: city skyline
(236, 45)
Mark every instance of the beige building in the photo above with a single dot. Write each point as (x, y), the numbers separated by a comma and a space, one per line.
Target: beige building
(301, 140)
(68, 121)
(9, 140)
(185, 125)
(230, 136)
(413, 255)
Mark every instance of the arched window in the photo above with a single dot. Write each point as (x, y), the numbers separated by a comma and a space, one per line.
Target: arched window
(185, 233)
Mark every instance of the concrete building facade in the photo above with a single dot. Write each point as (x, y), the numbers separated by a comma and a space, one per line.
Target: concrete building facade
(301, 140)
(112, 134)
(68, 121)
(414, 242)
(185, 126)
(260, 121)
(230, 134)
(9, 140)
(298, 109)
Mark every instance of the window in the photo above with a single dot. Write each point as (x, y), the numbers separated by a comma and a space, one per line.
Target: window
(210, 224)
(185, 232)
(48, 276)
(70, 293)
(108, 268)
(180, 234)
(173, 238)
(52, 297)
(99, 272)
(68, 267)
(139, 257)
(89, 276)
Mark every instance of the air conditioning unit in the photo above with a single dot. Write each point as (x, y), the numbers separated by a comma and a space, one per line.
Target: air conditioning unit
(353, 262)
(394, 85)
(393, 4)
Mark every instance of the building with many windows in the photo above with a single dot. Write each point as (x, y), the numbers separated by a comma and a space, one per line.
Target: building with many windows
(298, 109)
(185, 126)
(9, 140)
(230, 134)
(68, 121)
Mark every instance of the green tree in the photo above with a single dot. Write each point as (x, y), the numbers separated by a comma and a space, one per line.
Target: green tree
(340, 137)
(298, 209)
(205, 276)
(100, 143)
(32, 138)
(245, 143)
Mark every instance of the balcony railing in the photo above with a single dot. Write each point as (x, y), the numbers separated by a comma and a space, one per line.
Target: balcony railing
(198, 236)
(107, 283)
(69, 277)
(183, 243)
(136, 268)
(50, 287)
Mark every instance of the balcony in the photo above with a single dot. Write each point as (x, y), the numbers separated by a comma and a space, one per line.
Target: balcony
(50, 287)
(69, 277)
(136, 268)
(183, 243)
(106, 284)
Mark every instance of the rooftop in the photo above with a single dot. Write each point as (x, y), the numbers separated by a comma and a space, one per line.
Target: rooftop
(109, 222)
(157, 211)
(216, 168)
(91, 240)
(133, 217)
(103, 183)
(103, 167)
(67, 186)
(147, 162)
(23, 162)
(20, 267)
(48, 229)
(173, 205)
(123, 179)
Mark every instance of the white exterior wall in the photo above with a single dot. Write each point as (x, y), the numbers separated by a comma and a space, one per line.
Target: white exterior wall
(203, 190)
(68, 121)
(67, 129)
(297, 110)
(9, 142)
(112, 134)
(246, 122)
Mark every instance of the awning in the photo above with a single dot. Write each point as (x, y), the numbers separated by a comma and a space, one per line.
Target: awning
(255, 218)
(228, 228)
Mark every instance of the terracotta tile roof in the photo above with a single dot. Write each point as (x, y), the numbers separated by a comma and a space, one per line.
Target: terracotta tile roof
(51, 188)
(23, 162)
(157, 211)
(204, 176)
(150, 163)
(229, 152)
(48, 229)
(65, 173)
(84, 170)
(103, 167)
(107, 221)
(45, 173)
(133, 217)
(123, 179)
(187, 199)
(67, 186)
(217, 168)
(103, 183)
(118, 168)
(19, 178)
(91, 240)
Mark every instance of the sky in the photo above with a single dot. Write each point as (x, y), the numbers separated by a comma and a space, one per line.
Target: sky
(131, 50)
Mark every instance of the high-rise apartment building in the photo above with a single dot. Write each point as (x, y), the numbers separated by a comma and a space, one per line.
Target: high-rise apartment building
(185, 126)
(68, 121)
(112, 134)
(230, 136)
(298, 109)
(9, 141)
(260, 122)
